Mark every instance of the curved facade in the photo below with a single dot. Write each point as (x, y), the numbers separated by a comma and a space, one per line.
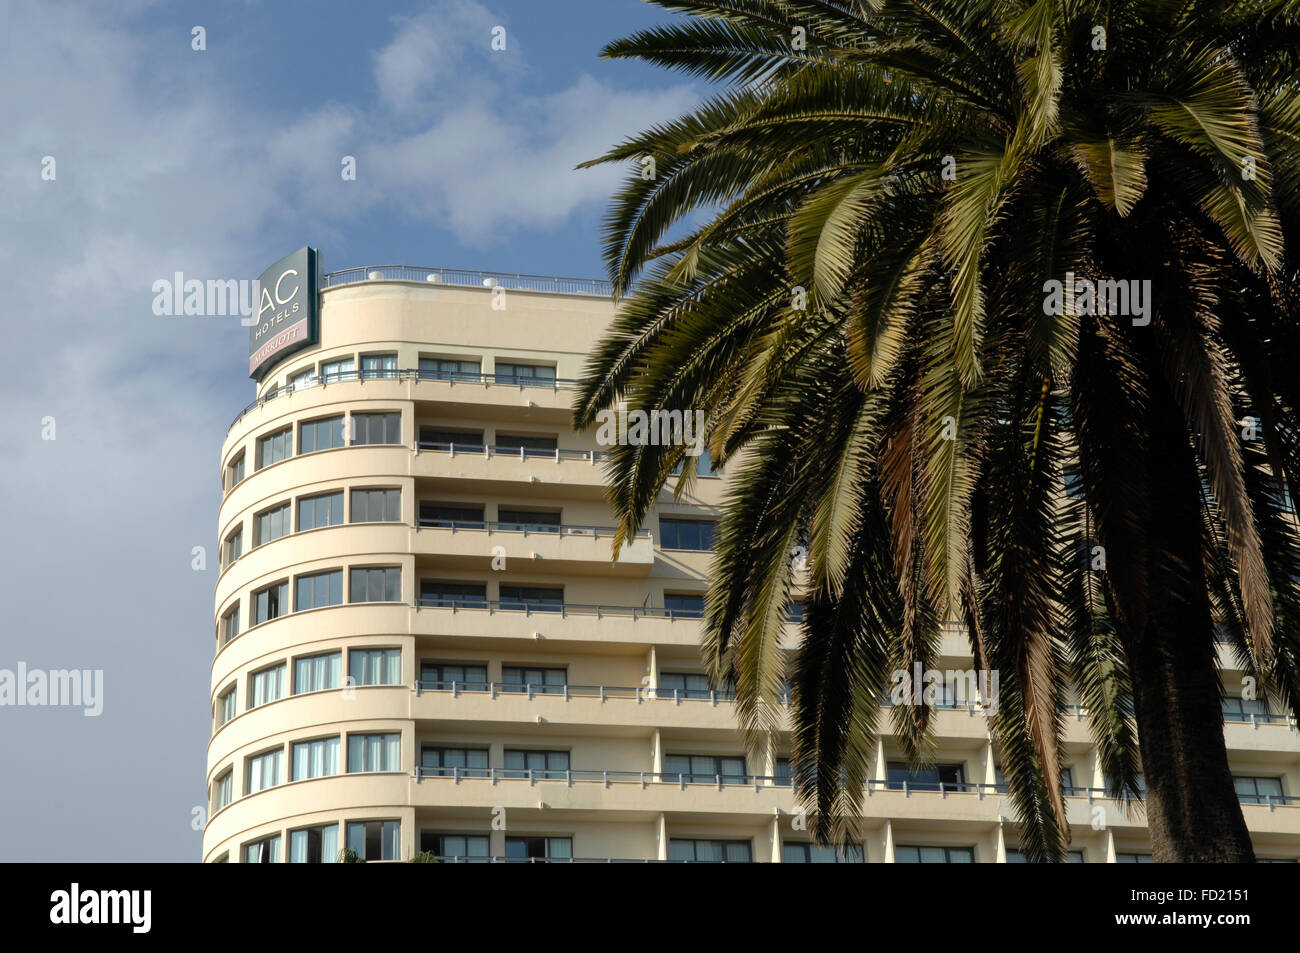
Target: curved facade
(422, 644)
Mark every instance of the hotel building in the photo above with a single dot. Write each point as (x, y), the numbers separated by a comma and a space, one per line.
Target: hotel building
(423, 645)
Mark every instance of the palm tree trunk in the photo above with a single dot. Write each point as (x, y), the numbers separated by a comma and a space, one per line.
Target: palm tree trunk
(1192, 808)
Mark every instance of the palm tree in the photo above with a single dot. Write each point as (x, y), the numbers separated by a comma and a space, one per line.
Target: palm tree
(843, 258)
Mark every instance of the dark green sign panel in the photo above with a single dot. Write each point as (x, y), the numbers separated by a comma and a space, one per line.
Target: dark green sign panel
(288, 311)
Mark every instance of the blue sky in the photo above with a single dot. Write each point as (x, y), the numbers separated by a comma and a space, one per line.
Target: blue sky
(215, 164)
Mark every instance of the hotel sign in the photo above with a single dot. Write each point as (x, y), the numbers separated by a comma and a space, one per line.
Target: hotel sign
(288, 311)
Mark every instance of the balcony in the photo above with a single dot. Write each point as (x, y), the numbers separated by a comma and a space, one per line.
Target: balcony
(560, 548)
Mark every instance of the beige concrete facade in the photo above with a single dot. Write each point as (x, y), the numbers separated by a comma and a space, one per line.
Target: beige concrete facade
(606, 722)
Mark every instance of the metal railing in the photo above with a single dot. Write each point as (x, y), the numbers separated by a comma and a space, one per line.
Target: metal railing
(406, 374)
(562, 609)
(537, 529)
(517, 453)
(470, 278)
(497, 859)
(637, 693)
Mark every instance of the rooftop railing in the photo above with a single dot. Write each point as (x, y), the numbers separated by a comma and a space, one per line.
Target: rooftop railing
(408, 374)
(469, 278)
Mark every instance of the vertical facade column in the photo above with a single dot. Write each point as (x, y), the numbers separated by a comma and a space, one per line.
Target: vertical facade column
(889, 842)
(1110, 847)
(661, 835)
(1000, 851)
(775, 833)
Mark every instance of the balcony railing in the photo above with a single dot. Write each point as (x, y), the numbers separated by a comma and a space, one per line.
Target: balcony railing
(562, 609)
(517, 453)
(525, 529)
(637, 693)
(453, 859)
(408, 374)
(468, 278)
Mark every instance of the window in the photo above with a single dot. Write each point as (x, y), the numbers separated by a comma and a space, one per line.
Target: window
(1067, 782)
(314, 845)
(325, 509)
(447, 595)
(528, 445)
(924, 779)
(264, 770)
(539, 848)
(704, 769)
(375, 666)
(709, 851)
(375, 840)
(1018, 857)
(1241, 709)
(379, 752)
(315, 759)
(542, 764)
(532, 598)
(1251, 790)
(447, 369)
(442, 676)
(466, 847)
(530, 521)
(794, 612)
(317, 673)
(271, 524)
(235, 471)
(434, 438)
(233, 547)
(318, 590)
(265, 851)
(230, 624)
(376, 366)
(376, 428)
(685, 534)
(444, 762)
(535, 374)
(542, 681)
(223, 790)
(934, 855)
(1130, 857)
(266, 685)
(274, 447)
(376, 506)
(303, 379)
(1073, 481)
(343, 370)
(226, 706)
(784, 774)
(451, 515)
(691, 685)
(323, 434)
(375, 585)
(682, 605)
(805, 853)
(271, 602)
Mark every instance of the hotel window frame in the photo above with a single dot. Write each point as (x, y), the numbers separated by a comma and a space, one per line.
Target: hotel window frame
(310, 744)
(314, 664)
(235, 471)
(513, 377)
(227, 704)
(366, 575)
(281, 439)
(692, 605)
(948, 851)
(315, 500)
(253, 682)
(389, 423)
(1072, 857)
(280, 602)
(276, 756)
(223, 785)
(389, 749)
(232, 547)
(390, 504)
(808, 848)
(230, 624)
(673, 540)
(480, 840)
(445, 599)
(426, 373)
(265, 522)
(892, 784)
(332, 372)
(547, 844)
(546, 771)
(1256, 797)
(518, 599)
(441, 683)
(546, 684)
(334, 425)
(388, 835)
(385, 666)
(267, 847)
(306, 832)
(712, 773)
(303, 379)
(332, 580)
(725, 844)
(387, 369)
(466, 770)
